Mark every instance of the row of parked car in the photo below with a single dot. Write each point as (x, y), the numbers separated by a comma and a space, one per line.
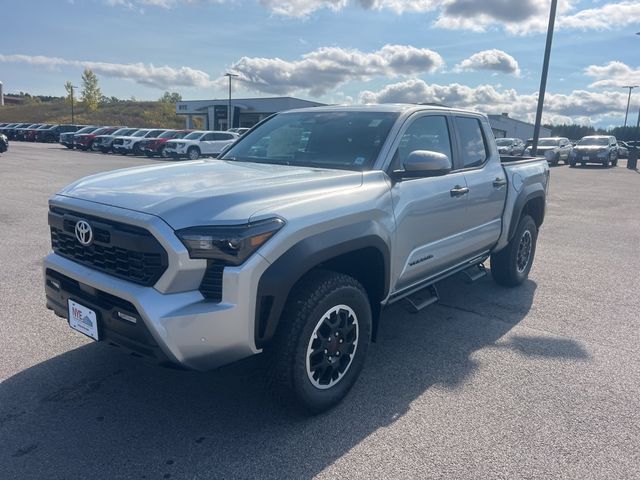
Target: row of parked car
(151, 142)
(603, 149)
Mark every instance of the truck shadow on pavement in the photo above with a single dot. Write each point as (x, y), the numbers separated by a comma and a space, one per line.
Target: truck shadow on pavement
(94, 412)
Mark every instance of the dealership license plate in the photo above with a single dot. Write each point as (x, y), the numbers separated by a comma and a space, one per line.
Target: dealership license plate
(83, 319)
(585, 158)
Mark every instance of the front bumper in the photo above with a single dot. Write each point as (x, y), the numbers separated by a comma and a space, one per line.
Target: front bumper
(175, 323)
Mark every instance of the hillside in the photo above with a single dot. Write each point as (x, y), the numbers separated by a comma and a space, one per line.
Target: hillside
(126, 113)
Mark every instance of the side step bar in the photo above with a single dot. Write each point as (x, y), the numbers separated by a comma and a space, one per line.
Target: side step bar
(475, 273)
(422, 299)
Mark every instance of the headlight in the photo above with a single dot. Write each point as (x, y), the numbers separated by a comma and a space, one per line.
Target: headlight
(180, 144)
(231, 244)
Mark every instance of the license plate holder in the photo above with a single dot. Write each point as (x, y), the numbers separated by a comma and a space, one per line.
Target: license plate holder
(83, 319)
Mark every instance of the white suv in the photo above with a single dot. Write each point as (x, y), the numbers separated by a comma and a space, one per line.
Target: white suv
(200, 143)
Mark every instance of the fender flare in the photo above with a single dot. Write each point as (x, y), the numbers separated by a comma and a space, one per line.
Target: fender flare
(530, 192)
(280, 277)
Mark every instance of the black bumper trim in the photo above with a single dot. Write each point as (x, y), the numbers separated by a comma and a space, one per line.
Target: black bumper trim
(133, 338)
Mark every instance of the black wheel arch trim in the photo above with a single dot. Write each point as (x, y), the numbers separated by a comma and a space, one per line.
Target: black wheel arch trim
(280, 277)
(530, 192)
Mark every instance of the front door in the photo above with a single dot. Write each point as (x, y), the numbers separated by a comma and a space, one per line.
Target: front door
(430, 212)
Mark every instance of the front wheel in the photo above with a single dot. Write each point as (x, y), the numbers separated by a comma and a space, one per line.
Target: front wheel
(511, 265)
(193, 153)
(321, 343)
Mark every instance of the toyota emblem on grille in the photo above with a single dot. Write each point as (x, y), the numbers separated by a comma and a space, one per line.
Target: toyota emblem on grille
(84, 234)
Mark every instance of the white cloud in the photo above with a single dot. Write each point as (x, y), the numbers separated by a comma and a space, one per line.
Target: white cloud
(494, 60)
(326, 68)
(577, 105)
(516, 17)
(613, 74)
(145, 74)
(605, 17)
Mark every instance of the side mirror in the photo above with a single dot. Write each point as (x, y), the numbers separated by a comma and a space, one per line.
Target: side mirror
(424, 163)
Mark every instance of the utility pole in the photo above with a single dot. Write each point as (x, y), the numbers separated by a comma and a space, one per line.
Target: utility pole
(543, 79)
(230, 75)
(73, 122)
(630, 87)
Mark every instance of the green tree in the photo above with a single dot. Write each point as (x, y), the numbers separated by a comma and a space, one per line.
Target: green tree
(170, 97)
(91, 93)
(68, 86)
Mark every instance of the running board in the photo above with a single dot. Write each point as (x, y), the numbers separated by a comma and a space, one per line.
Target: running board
(475, 273)
(422, 299)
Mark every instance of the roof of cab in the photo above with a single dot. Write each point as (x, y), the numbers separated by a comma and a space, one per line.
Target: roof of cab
(385, 107)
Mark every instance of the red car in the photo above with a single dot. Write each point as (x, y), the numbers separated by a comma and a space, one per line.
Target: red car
(84, 141)
(155, 146)
(32, 133)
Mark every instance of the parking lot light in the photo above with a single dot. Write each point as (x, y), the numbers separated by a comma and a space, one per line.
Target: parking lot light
(543, 77)
(626, 115)
(230, 75)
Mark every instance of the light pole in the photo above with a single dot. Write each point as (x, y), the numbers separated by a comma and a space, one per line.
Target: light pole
(230, 75)
(543, 78)
(630, 87)
(73, 122)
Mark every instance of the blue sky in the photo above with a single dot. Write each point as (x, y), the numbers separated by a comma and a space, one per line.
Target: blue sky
(475, 54)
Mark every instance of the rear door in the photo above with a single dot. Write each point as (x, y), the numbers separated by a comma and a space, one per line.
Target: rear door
(221, 140)
(207, 142)
(486, 180)
(429, 212)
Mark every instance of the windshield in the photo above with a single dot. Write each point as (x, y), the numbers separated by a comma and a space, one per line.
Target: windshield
(595, 141)
(194, 135)
(45, 126)
(504, 142)
(154, 133)
(87, 130)
(178, 135)
(346, 140)
(168, 134)
(548, 142)
(140, 133)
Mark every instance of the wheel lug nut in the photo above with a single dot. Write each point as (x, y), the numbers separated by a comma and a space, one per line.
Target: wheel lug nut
(341, 341)
(326, 351)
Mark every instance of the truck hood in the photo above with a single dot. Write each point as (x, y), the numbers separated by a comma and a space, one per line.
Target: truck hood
(205, 192)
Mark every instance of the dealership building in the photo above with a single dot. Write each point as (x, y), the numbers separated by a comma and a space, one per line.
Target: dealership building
(246, 112)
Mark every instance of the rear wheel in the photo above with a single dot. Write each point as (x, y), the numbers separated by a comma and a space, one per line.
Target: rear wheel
(321, 343)
(162, 153)
(511, 265)
(614, 159)
(136, 150)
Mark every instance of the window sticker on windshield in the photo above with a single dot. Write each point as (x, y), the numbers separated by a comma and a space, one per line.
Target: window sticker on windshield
(359, 160)
(375, 123)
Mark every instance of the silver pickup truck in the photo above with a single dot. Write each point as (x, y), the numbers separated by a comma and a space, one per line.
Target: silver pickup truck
(292, 242)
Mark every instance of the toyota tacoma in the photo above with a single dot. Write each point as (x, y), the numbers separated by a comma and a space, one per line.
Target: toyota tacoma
(292, 242)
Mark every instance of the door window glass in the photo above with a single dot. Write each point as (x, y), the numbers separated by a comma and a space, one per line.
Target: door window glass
(426, 133)
(472, 147)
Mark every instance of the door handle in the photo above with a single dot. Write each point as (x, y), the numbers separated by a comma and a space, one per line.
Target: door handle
(499, 182)
(458, 191)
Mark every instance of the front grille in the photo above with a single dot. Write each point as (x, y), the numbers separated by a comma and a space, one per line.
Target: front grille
(211, 285)
(124, 251)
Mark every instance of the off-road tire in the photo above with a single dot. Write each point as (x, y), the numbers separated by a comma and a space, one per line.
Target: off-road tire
(309, 302)
(507, 267)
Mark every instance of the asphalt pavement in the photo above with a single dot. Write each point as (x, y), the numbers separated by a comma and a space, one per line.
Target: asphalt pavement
(536, 382)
